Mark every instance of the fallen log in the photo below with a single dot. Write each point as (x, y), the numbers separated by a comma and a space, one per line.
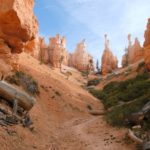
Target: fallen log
(146, 145)
(134, 137)
(11, 93)
(97, 112)
(146, 108)
(121, 105)
(137, 118)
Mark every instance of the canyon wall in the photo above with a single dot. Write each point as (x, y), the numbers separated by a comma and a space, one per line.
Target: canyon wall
(133, 53)
(18, 25)
(55, 53)
(147, 46)
(81, 59)
(44, 53)
(109, 61)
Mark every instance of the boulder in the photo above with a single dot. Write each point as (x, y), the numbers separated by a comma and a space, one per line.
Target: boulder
(17, 23)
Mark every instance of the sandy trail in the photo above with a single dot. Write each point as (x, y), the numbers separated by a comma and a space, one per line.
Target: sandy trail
(61, 121)
(91, 133)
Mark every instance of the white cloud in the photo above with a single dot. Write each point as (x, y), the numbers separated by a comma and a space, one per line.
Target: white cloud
(115, 17)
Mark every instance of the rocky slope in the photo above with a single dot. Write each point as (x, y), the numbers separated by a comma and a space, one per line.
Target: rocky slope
(60, 117)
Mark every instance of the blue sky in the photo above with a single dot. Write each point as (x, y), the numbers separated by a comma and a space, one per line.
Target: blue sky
(91, 19)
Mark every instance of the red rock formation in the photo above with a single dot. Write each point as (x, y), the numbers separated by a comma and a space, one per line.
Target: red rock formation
(125, 58)
(147, 46)
(33, 47)
(17, 23)
(43, 54)
(109, 61)
(139, 51)
(8, 61)
(57, 51)
(133, 53)
(5, 51)
(80, 59)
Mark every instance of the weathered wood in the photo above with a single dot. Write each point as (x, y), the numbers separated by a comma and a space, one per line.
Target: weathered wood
(97, 112)
(11, 93)
(146, 108)
(15, 106)
(137, 118)
(121, 105)
(146, 145)
(134, 137)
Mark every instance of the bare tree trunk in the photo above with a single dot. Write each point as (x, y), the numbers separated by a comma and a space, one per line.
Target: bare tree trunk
(134, 137)
(11, 93)
(15, 106)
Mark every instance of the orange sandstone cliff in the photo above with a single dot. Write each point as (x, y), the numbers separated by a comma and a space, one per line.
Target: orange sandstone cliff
(81, 59)
(133, 53)
(109, 61)
(57, 51)
(147, 46)
(18, 25)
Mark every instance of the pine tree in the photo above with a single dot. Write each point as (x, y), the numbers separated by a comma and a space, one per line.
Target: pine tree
(97, 66)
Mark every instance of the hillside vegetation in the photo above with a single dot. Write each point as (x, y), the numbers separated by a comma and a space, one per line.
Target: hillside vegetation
(124, 98)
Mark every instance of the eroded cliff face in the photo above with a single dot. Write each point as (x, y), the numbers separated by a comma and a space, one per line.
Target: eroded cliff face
(17, 23)
(43, 54)
(147, 46)
(57, 51)
(81, 59)
(109, 61)
(139, 51)
(33, 47)
(5, 58)
(133, 53)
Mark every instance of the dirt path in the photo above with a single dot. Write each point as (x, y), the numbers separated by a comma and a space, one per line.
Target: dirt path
(51, 115)
(91, 133)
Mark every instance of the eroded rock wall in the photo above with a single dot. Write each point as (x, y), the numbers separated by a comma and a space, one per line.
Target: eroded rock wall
(18, 25)
(109, 61)
(147, 46)
(81, 59)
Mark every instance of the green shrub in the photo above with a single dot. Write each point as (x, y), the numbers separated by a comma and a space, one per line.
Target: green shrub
(84, 73)
(68, 74)
(118, 115)
(141, 64)
(57, 93)
(129, 69)
(97, 93)
(25, 81)
(93, 82)
(136, 91)
(89, 107)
